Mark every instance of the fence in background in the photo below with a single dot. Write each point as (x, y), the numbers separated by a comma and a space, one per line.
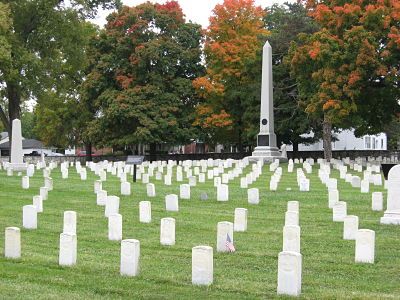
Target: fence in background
(199, 156)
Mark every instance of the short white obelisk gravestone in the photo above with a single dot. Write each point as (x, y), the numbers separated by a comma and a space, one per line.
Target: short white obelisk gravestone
(17, 155)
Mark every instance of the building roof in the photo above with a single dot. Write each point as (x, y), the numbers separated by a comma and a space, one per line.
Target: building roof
(3, 135)
(26, 144)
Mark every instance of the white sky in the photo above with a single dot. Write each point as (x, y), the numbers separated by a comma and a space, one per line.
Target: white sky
(198, 11)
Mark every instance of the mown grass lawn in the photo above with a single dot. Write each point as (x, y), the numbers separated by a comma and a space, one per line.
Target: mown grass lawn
(329, 271)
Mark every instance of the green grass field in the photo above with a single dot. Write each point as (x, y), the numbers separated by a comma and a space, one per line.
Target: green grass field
(329, 271)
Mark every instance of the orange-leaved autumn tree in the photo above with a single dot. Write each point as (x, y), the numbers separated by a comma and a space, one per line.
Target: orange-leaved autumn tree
(233, 40)
(348, 72)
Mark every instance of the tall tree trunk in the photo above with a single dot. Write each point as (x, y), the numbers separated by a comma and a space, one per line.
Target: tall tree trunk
(14, 108)
(88, 149)
(153, 148)
(240, 141)
(295, 149)
(14, 104)
(327, 138)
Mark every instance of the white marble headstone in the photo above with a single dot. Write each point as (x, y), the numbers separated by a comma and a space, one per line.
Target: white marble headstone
(69, 225)
(223, 192)
(365, 246)
(377, 201)
(291, 238)
(130, 254)
(350, 227)
(202, 265)
(171, 202)
(29, 216)
(167, 232)
(289, 273)
(339, 211)
(291, 218)
(115, 227)
(223, 229)
(184, 192)
(240, 220)
(253, 196)
(12, 243)
(151, 190)
(68, 249)
(144, 211)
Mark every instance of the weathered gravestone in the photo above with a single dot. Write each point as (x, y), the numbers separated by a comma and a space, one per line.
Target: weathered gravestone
(291, 238)
(377, 201)
(167, 232)
(224, 229)
(38, 203)
(44, 192)
(112, 206)
(125, 188)
(339, 211)
(115, 227)
(289, 273)
(240, 220)
(350, 227)
(223, 192)
(25, 182)
(203, 196)
(253, 196)
(29, 216)
(291, 218)
(151, 190)
(12, 243)
(68, 249)
(69, 225)
(101, 197)
(144, 211)
(130, 254)
(333, 198)
(184, 192)
(202, 265)
(365, 246)
(171, 202)
(293, 206)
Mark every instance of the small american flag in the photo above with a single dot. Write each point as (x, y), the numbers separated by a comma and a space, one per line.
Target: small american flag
(229, 244)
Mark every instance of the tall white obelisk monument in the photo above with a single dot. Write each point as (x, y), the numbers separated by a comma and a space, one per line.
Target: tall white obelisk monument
(17, 155)
(266, 141)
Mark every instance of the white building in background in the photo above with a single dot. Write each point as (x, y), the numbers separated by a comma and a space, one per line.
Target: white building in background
(346, 140)
(29, 147)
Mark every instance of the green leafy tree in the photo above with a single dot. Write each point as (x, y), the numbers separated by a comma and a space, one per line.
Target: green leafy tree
(28, 121)
(392, 131)
(41, 49)
(144, 63)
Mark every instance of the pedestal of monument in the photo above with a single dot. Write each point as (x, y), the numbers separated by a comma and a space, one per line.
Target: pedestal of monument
(391, 218)
(267, 154)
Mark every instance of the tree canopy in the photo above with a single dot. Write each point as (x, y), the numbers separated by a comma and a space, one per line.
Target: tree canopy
(141, 83)
(234, 39)
(348, 71)
(41, 49)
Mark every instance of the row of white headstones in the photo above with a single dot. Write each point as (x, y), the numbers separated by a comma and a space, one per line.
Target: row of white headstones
(364, 248)
(130, 248)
